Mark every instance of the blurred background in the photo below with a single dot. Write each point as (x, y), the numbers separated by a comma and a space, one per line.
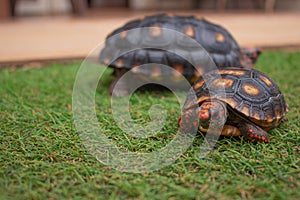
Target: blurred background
(35, 30)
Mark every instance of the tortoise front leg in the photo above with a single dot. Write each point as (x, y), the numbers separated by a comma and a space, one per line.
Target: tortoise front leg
(212, 115)
(253, 132)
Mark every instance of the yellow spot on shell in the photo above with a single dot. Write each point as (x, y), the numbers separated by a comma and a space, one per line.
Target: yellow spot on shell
(123, 34)
(219, 37)
(155, 31)
(189, 31)
(119, 63)
(233, 72)
(251, 90)
(265, 80)
(256, 115)
(245, 110)
(198, 85)
(223, 82)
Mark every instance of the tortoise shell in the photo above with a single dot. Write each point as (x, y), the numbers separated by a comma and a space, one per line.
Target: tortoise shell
(216, 40)
(247, 92)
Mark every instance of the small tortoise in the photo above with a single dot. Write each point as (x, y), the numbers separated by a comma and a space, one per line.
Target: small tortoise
(216, 40)
(251, 104)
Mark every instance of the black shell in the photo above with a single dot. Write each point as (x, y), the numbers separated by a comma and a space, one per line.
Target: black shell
(216, 40)
(249, 92)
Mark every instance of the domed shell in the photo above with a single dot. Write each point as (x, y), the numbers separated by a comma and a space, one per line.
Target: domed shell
(216, 40)
(250, 93)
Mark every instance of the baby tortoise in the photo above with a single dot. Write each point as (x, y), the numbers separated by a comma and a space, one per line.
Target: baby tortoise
(240, 101)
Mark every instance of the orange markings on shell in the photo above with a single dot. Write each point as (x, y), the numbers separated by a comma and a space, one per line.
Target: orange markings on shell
(189, 31)
(219, 37)
(198, 85)
(123, 34)
(119, 63)
(155, 31)
(251, 90)
(233, 72)
(265, 80)
(245, 110)
(255, 115)
(223, 82)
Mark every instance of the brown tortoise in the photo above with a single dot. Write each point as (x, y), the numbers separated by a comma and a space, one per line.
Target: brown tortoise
(250, 104)
(216, 40)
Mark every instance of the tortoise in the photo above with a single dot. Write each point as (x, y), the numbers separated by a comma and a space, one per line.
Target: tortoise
(216, 40)
(250, 105)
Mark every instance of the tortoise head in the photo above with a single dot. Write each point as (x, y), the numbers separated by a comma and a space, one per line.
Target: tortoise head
(251, 53)
(213, 113)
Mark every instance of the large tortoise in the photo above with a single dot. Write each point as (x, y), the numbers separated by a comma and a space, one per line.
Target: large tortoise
(240, 101)
(216, 40)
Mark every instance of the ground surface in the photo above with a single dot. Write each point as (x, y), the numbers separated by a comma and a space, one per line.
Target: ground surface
(60, 37)
(42, 156)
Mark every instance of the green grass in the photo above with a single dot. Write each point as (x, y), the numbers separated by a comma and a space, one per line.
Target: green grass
(42, 156)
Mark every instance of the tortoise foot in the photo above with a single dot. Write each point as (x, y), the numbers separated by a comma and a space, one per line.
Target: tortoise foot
(254, 133)
(258, 136)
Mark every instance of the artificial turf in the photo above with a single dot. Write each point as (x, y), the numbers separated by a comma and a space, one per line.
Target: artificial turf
(42, 155)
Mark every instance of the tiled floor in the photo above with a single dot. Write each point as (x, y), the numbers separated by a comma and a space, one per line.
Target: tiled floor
(59, 37)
